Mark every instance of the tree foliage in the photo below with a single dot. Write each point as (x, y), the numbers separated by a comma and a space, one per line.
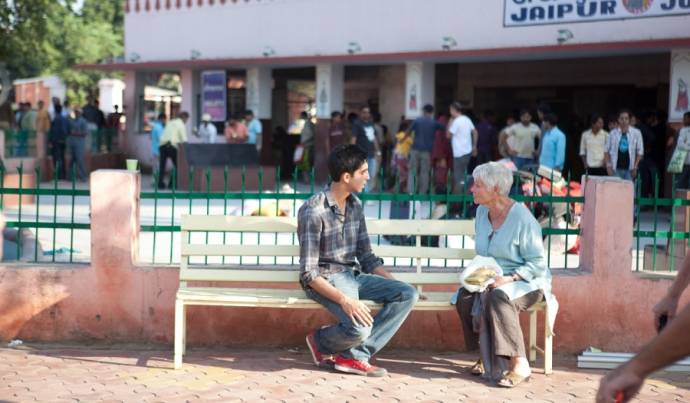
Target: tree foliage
(42, 37)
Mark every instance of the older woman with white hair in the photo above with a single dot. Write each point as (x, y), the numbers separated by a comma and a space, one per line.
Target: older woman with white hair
(506, 231)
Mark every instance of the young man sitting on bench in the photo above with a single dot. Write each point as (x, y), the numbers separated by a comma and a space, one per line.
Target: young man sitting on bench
(338, 269)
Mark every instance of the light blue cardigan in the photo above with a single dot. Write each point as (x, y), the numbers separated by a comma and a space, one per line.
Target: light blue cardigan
(518, 248)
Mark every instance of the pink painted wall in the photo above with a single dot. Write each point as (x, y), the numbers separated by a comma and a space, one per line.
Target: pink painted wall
(603, 304)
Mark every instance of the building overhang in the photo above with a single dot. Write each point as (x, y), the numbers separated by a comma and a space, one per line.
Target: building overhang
(545, 52)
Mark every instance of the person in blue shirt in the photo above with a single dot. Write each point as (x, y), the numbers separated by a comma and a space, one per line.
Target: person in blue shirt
(59, 130)
(424, 129)
(254, 129)
(156, 131)
(552, 143)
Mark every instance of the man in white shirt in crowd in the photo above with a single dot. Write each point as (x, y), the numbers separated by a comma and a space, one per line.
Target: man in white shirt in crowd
(463, 137)
(207, 130)
(593, 147)
(624, 149)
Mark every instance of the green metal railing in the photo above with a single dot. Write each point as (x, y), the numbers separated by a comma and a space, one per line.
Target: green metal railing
(655, 221)
(56, 216)
(161, 210)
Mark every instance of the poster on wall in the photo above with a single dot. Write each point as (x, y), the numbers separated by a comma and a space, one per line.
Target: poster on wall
(213, 94)
(680, 80)
(414, 83)
(518, 13)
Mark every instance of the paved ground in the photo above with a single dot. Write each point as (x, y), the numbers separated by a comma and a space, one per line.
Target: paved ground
(50, 373)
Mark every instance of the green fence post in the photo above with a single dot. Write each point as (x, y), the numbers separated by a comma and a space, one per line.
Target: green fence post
(38, 207)
(20, 170)
(71, 230)
(55, 202)
(156, 176)
(225, 202)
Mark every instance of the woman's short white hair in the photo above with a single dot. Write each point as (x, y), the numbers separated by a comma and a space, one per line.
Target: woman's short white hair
(494, 174)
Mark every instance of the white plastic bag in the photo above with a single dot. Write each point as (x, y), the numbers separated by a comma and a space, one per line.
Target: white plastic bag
(476, 263)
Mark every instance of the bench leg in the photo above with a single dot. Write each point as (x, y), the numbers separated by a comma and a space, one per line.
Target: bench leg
(533, 336)
(548, 346)
(179, 333)
(184, 330)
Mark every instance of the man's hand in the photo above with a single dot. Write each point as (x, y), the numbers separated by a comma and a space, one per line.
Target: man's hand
(667, 306)
(359, 313)
(633, 173)
(622, 380)
(512, 152)
(609, 171)
(500, 280)
(474, 152)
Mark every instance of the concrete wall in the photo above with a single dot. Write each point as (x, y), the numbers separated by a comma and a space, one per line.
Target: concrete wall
(291, 28)
(603, 304)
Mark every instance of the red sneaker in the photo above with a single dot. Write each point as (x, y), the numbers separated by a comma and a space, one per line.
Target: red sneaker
(320, 360)
(352, 366)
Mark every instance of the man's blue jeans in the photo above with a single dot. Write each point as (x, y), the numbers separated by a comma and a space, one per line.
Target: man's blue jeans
(624, 174)
(77, 146)
(361, 342)
(520, 162)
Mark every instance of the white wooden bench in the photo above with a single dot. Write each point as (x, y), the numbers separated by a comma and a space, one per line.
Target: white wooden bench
(196, 247)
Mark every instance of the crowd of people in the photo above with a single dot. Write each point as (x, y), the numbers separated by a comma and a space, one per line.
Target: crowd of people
(423, 152)
(61, 128)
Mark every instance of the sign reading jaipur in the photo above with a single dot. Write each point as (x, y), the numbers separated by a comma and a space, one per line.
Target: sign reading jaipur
(539, 12)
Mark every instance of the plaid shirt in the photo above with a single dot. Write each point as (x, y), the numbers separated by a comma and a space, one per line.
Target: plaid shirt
(330, 241)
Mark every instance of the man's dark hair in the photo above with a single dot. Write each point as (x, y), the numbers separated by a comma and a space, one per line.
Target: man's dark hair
(544, 108)
(161, 116)
(249, 112)
(336, 114)
(594, 118)
(58, 109)
(686, 115)
(524, 110)
(304, 115)
(624, 110)
(457, 106)
(184, 115)
(428, 108)
(551, 118)
(345, 158)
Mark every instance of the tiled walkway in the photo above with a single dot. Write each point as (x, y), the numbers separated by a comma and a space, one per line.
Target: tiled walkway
(58, 373)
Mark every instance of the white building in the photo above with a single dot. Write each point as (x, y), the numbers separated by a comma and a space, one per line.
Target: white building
(580, 56)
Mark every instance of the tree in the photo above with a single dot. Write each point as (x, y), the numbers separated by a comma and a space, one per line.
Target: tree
(42, 37)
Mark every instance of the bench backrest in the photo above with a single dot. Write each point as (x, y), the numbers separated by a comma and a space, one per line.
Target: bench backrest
(288, 225)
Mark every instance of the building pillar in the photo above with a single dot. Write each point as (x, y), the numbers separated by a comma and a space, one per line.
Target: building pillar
(607, 222)
(189, 97)
(259, 87)
(115, 220)
(110, 93)
(420, 80)
(330, 94)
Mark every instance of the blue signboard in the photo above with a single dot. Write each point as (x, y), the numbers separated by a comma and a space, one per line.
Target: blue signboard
(540, 12)
(213, 94)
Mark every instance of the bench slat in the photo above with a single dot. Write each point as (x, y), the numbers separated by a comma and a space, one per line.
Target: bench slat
(220, 223)
(425, 252)
(274, 298)
(292, 276)
(420, 227)
(253, 297)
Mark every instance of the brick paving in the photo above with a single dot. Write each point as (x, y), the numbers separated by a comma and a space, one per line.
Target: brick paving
(65, 373)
